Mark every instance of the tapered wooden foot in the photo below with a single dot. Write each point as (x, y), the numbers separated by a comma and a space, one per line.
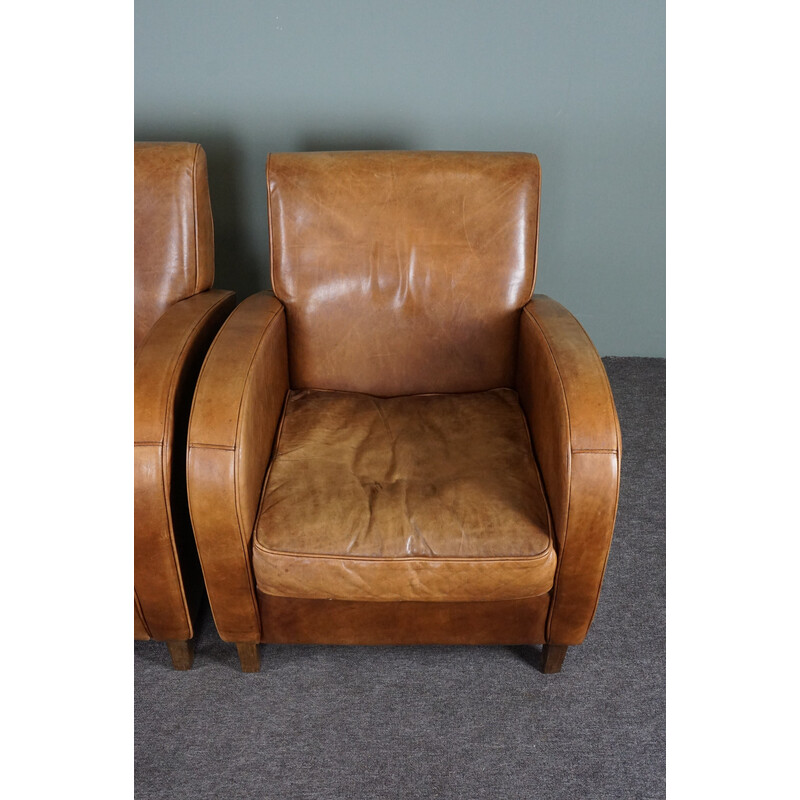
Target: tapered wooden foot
(182, 653)
(249, 656)
(553, 658)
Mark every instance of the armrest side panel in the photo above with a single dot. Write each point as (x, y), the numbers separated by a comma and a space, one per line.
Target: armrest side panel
(236, 411)
(165, 374)
(565, 393)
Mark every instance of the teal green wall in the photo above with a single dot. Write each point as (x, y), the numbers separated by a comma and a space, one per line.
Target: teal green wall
(581, 84)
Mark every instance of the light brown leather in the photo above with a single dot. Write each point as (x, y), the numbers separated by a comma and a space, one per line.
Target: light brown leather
(567, 399)
(403, 272)
(173, 229)
(175, 320)
(236, 410)
(289, 620)
(430, 497)
(165, 372)
(139, 626)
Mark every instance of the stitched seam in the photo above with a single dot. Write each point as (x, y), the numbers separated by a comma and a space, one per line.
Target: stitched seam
(236, 463)
(395, 396)
(265, 593)
(543, 556)
(594, 450)
(203, 446)
(470, 602)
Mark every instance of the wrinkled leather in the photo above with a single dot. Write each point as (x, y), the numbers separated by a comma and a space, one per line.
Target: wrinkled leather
(564, 390)
(235, 414)
(173, 229)
(175, 319)
(165, 372)
(403, 272)
(431, 497)
(291, 620)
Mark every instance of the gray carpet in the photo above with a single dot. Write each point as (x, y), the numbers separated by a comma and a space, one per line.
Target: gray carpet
(438, 722)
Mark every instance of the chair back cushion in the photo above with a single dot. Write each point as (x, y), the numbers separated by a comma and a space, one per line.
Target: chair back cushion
(403, 272)
(173, 231)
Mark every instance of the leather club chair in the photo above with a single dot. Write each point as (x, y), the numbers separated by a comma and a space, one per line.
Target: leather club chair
(402, 445)
(176, 315)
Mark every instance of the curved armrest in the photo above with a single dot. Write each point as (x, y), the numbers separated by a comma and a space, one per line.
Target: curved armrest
(235, 414)
(567, 400)
(165, 373)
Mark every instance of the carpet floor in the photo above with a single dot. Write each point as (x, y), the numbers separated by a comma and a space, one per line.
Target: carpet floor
(465, 723)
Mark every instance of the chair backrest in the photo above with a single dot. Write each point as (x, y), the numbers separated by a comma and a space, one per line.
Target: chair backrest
(403, 272)
(173, 230)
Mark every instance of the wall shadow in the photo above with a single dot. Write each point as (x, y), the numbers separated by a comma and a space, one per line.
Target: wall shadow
(345, 140)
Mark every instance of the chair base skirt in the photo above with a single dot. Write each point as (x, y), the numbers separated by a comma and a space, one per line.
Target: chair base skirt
(291, 620)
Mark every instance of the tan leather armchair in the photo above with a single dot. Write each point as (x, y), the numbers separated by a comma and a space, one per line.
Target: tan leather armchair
(176, 315)
(402, 445)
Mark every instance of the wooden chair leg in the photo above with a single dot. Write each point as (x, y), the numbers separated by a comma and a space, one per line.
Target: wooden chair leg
(553, 658)
(249, 656)
(181, 653)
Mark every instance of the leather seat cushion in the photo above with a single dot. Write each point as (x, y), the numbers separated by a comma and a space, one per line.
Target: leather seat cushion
(428, 497)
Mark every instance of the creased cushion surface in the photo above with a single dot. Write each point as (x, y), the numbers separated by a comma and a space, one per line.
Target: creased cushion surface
(426, 497)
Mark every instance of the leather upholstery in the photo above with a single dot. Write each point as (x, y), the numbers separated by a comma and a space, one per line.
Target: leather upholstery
(173, 229)
(139, 627)
(236, 410)
(429, 497)
(286, 620)
(165, 372)
(567, 399)
(175, 325)
(373, 407)
(403, 273)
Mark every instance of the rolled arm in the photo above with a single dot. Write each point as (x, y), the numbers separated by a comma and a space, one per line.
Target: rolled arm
(564, 390)
(235, 415)
(165, 373)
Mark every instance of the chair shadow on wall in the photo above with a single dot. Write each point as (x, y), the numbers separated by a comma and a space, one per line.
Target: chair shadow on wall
(349, 141)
